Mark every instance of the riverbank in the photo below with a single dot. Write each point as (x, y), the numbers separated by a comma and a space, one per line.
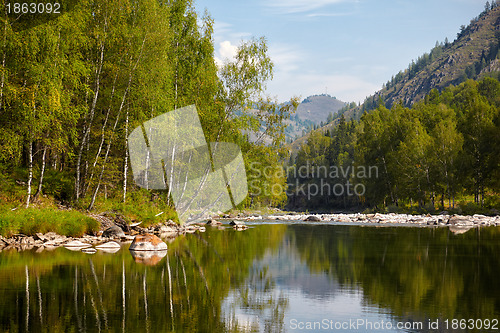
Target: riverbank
(393, 218)
(116, 229)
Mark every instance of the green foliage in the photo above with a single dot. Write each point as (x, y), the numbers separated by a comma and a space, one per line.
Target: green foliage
(30, 221)
(442, 148)
(74, 87)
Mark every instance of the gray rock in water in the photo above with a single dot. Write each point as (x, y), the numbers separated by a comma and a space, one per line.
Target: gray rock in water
(113, 232)
(108, 245)
(213, 222)
(237, 223)
(313, 218)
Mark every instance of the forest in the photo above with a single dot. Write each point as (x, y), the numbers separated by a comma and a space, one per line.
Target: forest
(442, 153)
(74, 86)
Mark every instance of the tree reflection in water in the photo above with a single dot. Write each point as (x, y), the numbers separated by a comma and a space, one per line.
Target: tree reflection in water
(238, 281)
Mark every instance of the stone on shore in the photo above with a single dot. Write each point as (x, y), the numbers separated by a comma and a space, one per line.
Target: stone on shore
(76, 244)
(313, 218)
(113, 232)
(148, 242)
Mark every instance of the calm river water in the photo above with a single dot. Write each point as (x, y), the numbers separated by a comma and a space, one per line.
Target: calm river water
(269, 278)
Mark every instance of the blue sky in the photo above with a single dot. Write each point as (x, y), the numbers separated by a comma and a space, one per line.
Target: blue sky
(347, 48)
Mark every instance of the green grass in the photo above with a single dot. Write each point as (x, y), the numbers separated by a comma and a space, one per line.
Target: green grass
(32, 220)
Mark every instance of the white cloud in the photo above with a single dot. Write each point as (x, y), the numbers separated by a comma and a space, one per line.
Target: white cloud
(227, 50)
(291, 75)
(300, 6)
(227, 41)
(285, 57)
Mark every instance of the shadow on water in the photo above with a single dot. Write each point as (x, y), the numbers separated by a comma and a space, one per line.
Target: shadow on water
(256, 280)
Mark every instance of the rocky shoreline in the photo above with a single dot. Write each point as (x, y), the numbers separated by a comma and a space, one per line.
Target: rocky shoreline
(391, 218)
(122, 233)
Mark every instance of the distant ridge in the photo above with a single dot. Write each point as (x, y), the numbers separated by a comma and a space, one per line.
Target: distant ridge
(474, 54)
(313, 111)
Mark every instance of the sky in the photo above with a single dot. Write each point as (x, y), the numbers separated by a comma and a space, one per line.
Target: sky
(345, 48)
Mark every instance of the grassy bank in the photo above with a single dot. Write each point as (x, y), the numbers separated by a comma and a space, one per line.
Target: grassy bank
(32, 220)
(56, 211)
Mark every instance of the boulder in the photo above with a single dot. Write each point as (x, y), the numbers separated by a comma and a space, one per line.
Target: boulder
(76, 244)
(213, 222)
(113, 232)
(460, 220)
(165, 229)
(108, 245)
(148, 242)
(313, 218)
(237, 223)
(41, 237)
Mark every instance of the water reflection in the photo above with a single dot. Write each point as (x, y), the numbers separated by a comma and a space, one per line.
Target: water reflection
(149, 258)
(263, 279)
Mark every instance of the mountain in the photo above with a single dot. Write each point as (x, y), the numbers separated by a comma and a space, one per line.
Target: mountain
(474, 54)
(313, 111)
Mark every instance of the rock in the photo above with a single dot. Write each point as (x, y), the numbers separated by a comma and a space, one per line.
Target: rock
(51, 236)
(41, 237)
(313, 218)
(460, 220)
(76, 244)
(4, 242)
(108, 245)
(190, 229)
(113, 232)
(165, 229)
(202, 229)
(148, 243)
(237, 223)
(27, 241)
(213, 222)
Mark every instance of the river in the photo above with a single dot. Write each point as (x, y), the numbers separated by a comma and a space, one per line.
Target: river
(272, 277)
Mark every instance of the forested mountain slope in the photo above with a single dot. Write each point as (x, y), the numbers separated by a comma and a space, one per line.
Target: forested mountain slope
(474, 54)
